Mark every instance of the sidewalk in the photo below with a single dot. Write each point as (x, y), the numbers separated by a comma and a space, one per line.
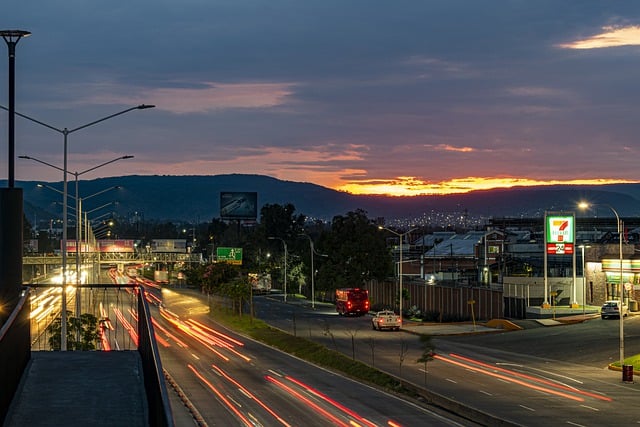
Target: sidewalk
(463, 328)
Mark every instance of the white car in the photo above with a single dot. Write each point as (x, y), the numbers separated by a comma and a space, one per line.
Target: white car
(611, 308)
(386, 319)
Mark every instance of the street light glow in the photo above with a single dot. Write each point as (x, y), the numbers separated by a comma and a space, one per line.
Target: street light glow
(585, 205)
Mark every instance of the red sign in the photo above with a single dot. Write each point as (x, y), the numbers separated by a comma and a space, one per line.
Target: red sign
(560, 248)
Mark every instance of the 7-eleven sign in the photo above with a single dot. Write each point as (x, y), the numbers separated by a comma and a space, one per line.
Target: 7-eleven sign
(560, 234)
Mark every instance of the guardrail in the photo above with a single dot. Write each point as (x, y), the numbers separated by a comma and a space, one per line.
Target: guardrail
(15, 352)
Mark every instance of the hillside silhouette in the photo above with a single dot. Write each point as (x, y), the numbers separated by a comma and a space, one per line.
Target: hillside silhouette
(197, 198)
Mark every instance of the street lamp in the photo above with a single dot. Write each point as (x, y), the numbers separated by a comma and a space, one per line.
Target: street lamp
(12, 37)
(584, 205)
(11, 197)
(65, 133)
(313, 271)
(77, 198)
(401, 238)
(78, 210)
(285, 264)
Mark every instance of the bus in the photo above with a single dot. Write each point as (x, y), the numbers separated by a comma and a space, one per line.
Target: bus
(353, 301)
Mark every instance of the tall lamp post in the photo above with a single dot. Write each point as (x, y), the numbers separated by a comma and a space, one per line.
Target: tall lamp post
(78, 216)
(78, 210)
(285, 264)
(313, 271)
(11, 198)
(65, 133)
(401, 241)
(12, 37)
(584, 205)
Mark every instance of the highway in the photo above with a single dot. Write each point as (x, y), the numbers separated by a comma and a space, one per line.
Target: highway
(233, 380)
(549, 375)
(538, 376)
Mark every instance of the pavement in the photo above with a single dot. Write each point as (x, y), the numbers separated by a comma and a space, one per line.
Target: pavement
(80, 388)
(568, 316)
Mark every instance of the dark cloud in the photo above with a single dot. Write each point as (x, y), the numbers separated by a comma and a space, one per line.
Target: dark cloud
(319, 90)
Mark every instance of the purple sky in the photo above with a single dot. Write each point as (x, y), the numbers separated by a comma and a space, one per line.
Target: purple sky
(402, 97)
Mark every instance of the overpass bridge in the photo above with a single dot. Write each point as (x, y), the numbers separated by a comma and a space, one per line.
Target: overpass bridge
(35, 267)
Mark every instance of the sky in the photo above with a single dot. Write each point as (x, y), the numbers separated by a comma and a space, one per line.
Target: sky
(405, 97)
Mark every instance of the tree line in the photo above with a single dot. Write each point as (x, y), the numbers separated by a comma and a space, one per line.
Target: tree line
(348, 252)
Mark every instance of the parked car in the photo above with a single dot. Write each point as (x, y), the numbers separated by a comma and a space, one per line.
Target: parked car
(611, 308)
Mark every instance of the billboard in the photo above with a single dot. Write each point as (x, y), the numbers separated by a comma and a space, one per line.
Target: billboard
(178, 246)
(560, 234)
(230, 255)
(102, 246)
(238, 205)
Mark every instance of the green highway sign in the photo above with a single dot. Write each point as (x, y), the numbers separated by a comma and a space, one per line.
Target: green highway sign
(230, 255)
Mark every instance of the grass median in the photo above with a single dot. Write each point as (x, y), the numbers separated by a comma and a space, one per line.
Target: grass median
(311, 352)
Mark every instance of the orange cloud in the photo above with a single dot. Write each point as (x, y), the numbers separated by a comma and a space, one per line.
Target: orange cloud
(410, 186)
(609, 37)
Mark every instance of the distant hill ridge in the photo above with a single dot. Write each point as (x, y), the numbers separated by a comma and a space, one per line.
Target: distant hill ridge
(197, 197)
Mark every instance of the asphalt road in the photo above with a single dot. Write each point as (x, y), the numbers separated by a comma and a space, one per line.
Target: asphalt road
(537, 376)
(233, 380)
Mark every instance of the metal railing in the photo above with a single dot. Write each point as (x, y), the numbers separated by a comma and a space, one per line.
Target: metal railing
(108, 322)
(154, 384)
(15, 352)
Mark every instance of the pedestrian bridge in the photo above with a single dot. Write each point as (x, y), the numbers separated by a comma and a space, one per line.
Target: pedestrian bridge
(80, 388)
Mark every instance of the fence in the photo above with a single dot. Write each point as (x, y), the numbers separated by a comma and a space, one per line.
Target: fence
(445, 303)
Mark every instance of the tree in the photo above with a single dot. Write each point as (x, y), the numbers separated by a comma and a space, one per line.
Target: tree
(86, 327)
(217, 274)
(356, 253)
(239, 290)
(427, 353)
(280, 221)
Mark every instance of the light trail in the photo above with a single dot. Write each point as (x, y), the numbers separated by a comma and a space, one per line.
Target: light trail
(509, 379)
(331, 401)
(132, 333)
(222, 398)
(213, 331)
(251, 395)
(532, 378)
(314, 406)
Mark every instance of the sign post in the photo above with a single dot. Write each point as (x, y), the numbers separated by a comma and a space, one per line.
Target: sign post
(560, 233)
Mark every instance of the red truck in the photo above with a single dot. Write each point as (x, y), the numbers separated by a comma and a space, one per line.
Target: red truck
(352, 301)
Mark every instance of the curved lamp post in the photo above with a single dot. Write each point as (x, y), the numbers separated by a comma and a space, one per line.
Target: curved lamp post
(65, 172)
(313, 271)
(585, 205)
(285, 264)
(401, 239)
(78, 219)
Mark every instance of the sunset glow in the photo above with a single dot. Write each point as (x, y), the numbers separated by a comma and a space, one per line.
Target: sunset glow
(609, 37)
(410, 186)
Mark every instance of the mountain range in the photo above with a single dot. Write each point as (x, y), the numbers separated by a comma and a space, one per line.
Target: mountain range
(197, 198)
